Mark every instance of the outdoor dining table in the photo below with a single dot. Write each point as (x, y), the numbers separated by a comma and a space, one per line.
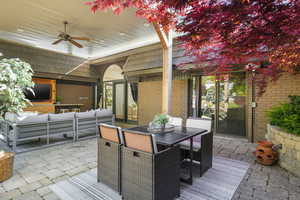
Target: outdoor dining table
(177, 135)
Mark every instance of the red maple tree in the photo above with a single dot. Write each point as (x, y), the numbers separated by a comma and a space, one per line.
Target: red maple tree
(261, 35)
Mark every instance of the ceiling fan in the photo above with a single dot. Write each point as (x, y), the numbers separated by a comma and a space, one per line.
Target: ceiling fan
(66, 37)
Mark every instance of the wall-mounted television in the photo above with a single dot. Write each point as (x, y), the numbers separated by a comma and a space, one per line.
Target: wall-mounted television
(42, 92)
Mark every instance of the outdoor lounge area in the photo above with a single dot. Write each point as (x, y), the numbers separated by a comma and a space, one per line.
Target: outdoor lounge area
(150, 100)
(35, 173)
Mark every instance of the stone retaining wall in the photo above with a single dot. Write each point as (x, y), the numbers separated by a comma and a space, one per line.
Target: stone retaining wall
(289, 157)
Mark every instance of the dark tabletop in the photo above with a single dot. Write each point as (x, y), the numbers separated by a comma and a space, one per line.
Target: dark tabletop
(170, 138)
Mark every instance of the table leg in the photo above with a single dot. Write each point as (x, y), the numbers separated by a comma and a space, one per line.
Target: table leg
(189, 180)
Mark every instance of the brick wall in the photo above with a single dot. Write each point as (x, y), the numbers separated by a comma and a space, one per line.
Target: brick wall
(276, 93)
(150, 96)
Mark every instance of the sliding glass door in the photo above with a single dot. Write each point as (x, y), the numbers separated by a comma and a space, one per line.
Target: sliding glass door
(225, 98)
(119, 100)
(108, 95)
(121, 97)
(208, 96)
(132, 98)
(232, 105)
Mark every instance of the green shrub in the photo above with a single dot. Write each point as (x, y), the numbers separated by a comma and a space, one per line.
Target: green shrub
(287, 116)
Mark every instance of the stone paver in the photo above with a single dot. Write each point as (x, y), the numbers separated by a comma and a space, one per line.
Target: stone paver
(35, 171)
(13, 183)
(51, 196)
(10, 194)
(261, 182)
(44, 191)
(30, 187)
(45, 181)
(29, 196)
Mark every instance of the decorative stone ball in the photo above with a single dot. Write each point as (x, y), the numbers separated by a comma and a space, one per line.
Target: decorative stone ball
(264, 153)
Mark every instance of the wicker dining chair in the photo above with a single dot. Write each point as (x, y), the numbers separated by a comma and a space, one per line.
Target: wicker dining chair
(109, 156)
(203, 144)
(147, 173)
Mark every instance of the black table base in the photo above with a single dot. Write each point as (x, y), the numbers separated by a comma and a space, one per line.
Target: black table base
(189, 180)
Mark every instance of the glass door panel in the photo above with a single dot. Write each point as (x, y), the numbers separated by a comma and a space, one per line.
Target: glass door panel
(208, 96)
(132, 97)
(119, 100)
(108, 95)
(232, 105)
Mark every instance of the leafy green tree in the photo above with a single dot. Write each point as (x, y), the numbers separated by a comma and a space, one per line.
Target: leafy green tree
(15, 77)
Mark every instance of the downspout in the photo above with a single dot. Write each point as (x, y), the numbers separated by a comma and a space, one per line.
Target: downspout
(253, 106)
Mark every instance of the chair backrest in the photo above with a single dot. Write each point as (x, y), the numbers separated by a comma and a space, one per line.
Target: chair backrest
(200, 123)
(140, 141)
(111, 133)
(176, 121)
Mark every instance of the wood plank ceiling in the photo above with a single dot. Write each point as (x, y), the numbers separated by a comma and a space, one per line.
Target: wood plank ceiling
(38, 22)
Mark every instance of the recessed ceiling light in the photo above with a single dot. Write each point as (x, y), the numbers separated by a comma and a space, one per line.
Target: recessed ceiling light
(20, 30)
(122, 34)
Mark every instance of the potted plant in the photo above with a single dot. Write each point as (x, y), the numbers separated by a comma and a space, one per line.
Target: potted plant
(58, 99)
(16, 77)
(161, 119)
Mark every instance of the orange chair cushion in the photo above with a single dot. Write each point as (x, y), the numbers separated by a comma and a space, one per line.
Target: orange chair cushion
(109, 133)
(139, 142)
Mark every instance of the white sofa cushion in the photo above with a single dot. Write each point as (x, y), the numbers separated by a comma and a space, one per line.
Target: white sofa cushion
(43, 118)
(104, 113)
(14, 117)
(62, 116)
(89, 114)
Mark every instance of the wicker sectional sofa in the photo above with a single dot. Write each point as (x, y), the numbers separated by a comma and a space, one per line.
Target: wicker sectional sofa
(48, 126)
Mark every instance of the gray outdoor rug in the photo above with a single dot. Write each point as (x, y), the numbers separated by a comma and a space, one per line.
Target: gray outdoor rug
(219, 183)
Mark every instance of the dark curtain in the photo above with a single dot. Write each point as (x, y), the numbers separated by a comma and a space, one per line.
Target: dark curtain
(134, 91)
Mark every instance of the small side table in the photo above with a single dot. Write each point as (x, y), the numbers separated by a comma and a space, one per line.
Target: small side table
(6, 165)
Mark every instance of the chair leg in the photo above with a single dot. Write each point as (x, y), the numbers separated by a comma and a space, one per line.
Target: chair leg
(206, 153)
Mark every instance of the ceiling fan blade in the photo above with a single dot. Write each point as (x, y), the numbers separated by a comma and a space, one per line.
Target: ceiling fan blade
(81, 38)
(57, 41)
(75, 43)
